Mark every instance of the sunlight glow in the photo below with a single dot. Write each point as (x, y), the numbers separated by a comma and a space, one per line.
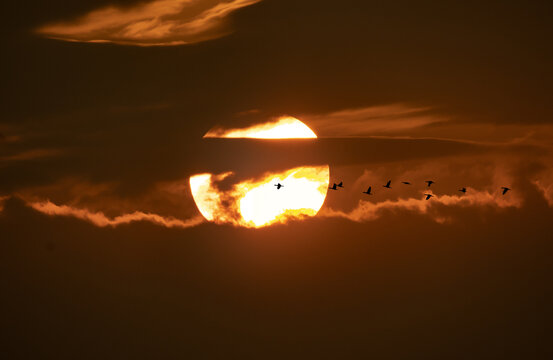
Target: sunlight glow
(257, 202)
(283, 128)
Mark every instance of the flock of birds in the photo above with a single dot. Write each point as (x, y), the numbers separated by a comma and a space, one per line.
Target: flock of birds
(388, 186)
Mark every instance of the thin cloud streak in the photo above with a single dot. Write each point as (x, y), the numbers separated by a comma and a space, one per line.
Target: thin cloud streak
(2, 201)
(385, 119)
(155, 23)
(9, 138)
(544, 183)
(367, 211)
(101, 220)
(30, 155)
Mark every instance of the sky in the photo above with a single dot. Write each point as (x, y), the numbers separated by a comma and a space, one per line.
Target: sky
(105, 105)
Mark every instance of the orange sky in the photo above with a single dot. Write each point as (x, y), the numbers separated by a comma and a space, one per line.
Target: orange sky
(110, 106)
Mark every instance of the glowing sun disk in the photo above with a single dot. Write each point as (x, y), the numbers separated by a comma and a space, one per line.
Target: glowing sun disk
(283, 128)
(257, 202)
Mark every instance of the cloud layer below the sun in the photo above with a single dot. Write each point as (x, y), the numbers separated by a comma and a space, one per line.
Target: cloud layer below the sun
(154, 23)
(367, 210)
(101, 220)
(99, 205)
(165, 204)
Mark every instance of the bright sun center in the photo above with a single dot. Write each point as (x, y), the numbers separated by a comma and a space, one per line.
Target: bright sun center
(283, 128)
(258, 202)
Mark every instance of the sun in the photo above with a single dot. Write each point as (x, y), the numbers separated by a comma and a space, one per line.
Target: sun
(256, 202)
(286, 127)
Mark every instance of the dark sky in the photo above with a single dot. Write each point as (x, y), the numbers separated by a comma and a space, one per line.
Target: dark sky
(456, 91)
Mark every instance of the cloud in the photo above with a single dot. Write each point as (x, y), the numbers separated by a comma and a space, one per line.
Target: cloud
(30, 155)
(163, 203)
(482, 175)
(544, 183)
(2, 200)
(157, 22)
(9, 138)
(403, 121)
(169, 199)
(372, 120)
(101, 220)
(367, 211)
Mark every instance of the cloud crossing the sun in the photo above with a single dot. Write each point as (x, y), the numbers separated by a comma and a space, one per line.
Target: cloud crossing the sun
(153, 23)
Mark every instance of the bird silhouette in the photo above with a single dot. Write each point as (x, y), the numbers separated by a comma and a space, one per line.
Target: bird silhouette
(428, 196)
(333, 187)
(406, 182)
(505, 189)
(368, 192)
(340, 184)
(429, 182)
(463, 190)
(388, 184)
(279, 185)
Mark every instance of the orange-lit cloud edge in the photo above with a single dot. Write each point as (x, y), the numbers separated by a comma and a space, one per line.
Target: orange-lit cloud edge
(153, 23)
(101, 220)
(369, 211)
(2, 200)
(365, 211)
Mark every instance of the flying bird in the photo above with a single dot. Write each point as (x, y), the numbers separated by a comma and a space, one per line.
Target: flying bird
(406, 182)
(505, 189)
(368, 192)
(428, 196)
(340, 184)
(429, 182)
(333, 187)
(463, 190)
(388, 184)
(279, 185)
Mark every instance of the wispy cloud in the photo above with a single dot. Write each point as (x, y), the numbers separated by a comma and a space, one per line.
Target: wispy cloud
(544, 183)
(385, 119)
(101, 220)
(367, 211)
(2, 200)
(30, 155)
(163, 203)
(9, 138)
(403, 121)
(157, 22)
